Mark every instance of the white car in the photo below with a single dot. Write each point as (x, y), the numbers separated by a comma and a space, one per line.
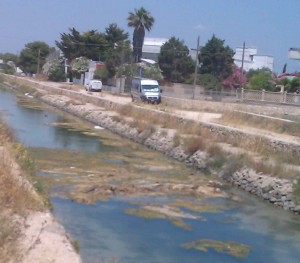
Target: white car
(94, 84)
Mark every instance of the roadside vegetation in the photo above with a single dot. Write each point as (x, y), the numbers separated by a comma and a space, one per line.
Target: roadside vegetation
(255, 153)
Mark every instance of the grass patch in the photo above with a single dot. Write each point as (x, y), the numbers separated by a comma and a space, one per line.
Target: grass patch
(261, 122)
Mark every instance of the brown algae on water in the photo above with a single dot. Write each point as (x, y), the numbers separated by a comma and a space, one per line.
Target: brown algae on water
(112, 173)
(232, 248)
(150, 212)
(119, 168)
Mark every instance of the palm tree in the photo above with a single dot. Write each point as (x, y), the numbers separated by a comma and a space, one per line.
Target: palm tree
(140, 20)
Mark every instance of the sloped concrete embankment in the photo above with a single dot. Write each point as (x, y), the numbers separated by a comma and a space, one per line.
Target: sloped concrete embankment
(275, 190)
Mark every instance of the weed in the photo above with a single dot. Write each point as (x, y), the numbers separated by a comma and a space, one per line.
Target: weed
(232, 164)
(193, 144)
(147, 132)
(218, 162)
(8, 238)
(214, 149)
(164, 133)
(116, 118)
(296, 191)
(75, 244)
(176, 139)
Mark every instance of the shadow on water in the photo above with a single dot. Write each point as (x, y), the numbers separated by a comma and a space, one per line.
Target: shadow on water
(158, 224)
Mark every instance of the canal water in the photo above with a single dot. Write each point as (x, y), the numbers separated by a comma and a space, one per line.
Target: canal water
(68, 153)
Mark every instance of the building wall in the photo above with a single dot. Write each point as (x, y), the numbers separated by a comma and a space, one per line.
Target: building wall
(252, 60)
(151, 47)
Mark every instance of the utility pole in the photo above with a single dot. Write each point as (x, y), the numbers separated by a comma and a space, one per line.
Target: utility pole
(38, 63)
(242, 68)
(196, 67)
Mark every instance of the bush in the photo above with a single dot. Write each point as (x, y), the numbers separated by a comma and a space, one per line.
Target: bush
(57, 73)
(7, 69)
(208, 81)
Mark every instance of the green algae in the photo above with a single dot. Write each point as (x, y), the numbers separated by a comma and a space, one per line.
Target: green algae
(232, 248)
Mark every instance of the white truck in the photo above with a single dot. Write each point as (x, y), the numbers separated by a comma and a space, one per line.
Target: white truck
(146, 90)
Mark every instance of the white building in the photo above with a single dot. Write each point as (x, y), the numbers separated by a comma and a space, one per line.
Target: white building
(252, 60)
(151, 47)
(294, 53)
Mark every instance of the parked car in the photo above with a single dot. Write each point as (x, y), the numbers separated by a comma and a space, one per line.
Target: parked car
(94, 85)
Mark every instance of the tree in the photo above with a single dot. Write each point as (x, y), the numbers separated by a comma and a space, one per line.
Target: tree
(119, 50)
(175, 61)
(236, 79)
(57, 71)
(89, 44)
(261, 79)
(9, 57)
(290, 85)
(208, 81)
(216, 59)
(114, 34)
(80, 65)
(140, 20)
(102, 74)
(32, 57)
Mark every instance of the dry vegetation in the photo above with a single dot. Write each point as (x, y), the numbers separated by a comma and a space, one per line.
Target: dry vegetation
(252, 152)
(16, 195)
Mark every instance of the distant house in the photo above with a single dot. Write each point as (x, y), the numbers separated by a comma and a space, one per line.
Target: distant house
(252, 60)
(151, 47)
(294, 53)
(93, 66)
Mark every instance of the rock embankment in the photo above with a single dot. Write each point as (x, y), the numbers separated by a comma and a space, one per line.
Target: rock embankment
(275, 190)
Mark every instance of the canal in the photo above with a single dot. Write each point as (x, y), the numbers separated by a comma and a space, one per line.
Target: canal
(101, 188)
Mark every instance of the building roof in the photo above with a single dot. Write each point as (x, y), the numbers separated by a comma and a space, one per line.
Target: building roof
(153, 45)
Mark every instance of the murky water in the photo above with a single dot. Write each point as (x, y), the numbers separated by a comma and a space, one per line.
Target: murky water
(71, 155)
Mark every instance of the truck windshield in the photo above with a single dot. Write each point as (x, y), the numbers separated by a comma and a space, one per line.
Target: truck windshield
(153, 88)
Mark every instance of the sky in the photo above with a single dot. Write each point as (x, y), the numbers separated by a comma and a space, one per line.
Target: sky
(272, 26)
